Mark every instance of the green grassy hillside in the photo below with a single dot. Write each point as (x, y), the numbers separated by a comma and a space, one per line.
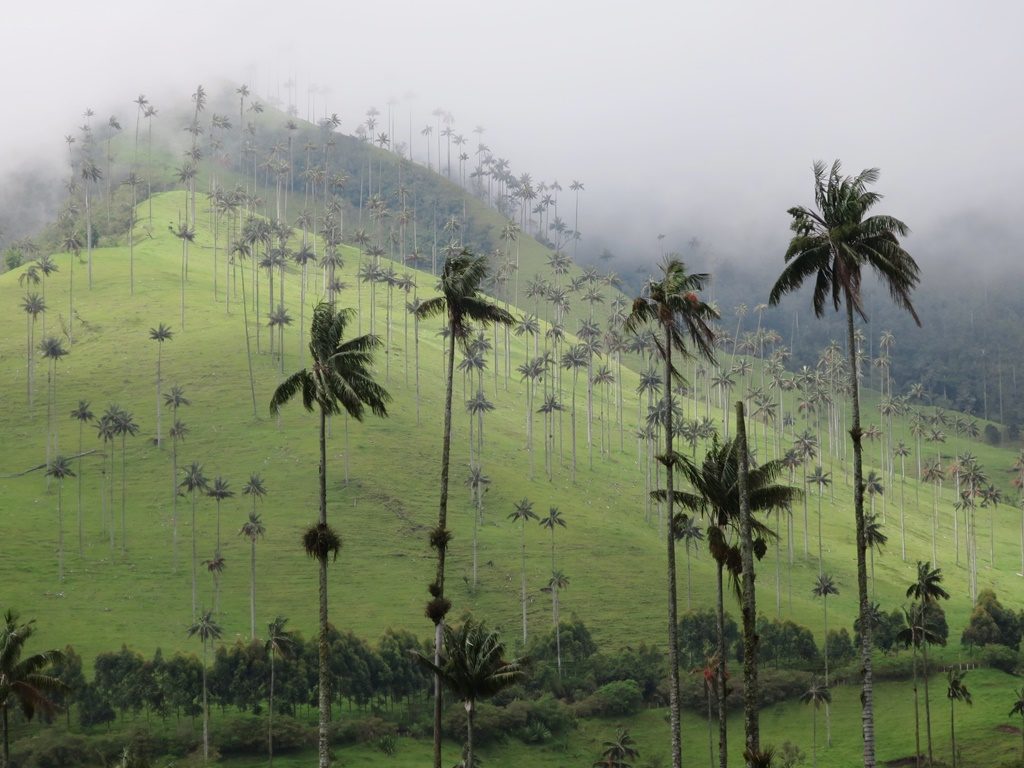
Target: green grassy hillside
(612, 555)
(142, 597)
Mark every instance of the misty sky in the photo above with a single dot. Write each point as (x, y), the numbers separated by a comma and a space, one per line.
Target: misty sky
(692, 118)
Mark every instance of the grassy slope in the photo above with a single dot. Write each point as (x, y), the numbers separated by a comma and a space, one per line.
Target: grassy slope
(379, 581)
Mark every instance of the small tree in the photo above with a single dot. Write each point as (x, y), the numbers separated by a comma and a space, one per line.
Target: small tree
(23, 680)
(160, 334)
(955, 691)
(207, 630)
(473, 667)
(252, 529)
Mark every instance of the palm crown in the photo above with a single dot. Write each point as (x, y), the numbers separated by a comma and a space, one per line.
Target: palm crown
(834, 243)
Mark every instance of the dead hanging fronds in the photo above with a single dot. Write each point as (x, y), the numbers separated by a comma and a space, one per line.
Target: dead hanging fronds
(440, 538)
(320, 540)
(438, 608)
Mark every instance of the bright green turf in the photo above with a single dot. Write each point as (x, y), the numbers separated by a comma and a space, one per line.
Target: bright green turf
(613, 558)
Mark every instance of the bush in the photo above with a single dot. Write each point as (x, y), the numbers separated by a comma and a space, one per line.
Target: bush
(491, 723)
(992, 435)
(780, 685)
(547, 712)
(999, 657)
(622, 697)
(892, 668)
(364, 730)
(248, 735)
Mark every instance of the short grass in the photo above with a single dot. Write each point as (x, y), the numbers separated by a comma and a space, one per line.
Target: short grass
(141, 597)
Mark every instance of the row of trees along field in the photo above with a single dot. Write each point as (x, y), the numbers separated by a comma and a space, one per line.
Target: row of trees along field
(669, 324)
(383, 687)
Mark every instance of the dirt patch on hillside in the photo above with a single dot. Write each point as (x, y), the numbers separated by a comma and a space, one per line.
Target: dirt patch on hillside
(1008, 729)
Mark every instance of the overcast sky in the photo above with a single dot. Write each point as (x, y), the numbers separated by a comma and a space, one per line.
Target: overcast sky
(692, 118)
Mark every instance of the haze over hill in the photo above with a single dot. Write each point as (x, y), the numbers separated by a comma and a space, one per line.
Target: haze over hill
(687, 119)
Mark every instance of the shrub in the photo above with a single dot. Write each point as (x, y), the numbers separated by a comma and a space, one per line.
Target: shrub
(779, 685)
(622, 697)
(364, 730)
(999, 657)
(490, 724)
(387, 744)
(547, 711)
(248, 735)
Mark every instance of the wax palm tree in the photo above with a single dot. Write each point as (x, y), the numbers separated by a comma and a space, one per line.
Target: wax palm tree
(823, 587)
(618, 751)
(207, 630)
(83, 416)
(473, 667)
(215, 567)
(340, 378)
(902, 451)
(34, 305)
(673, 304)
(834, 244)
(254, 489)
(918, 635)
(107, 432)
(160, 334)
(194, 482)
(927, 590)
(716, 495)
(574, 359)
(187, 235)
(688, 532)
(24, 682)
(460, 304)
(280, 642)
(219, 491)
(876, 540)
(816, 695)
(1018, 709)
(124, 427)
(58, 469)
(174, 400)
(955, 691)
(52, 350)
(823, 480)
(252, 529)
(523, 513)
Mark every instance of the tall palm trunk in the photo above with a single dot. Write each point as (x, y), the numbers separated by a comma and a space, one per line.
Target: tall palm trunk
(60, 530)
(124, 493)
(248, 346)
(270, 713)
(673, 620)
(751, 726)
(323, 682)
(194, 555)
(174, 501)
(917, 716)
(723, 741)
(927, 705)
(522, 598)
(952, 729)
(252, 589)
(159, 408)
(80, 537)
(206, 712)
(867, 687)
(439, 541)
(470, 718)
